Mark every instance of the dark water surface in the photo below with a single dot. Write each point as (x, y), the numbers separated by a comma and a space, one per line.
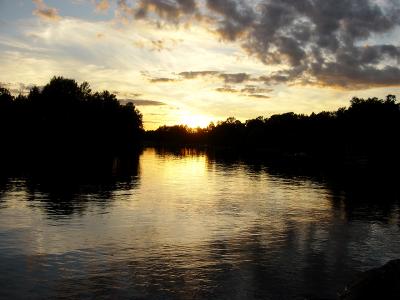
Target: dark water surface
(188, 225)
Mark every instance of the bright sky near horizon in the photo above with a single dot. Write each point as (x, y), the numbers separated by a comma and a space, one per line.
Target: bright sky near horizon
(196, 61)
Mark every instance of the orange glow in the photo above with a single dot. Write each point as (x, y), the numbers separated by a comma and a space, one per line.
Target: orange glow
(195, 121)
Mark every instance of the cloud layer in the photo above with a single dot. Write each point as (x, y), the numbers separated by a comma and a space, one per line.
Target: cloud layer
(253, 90)
(208, 58)
(339, 43)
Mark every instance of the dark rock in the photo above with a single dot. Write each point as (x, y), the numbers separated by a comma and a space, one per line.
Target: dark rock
(379, 283)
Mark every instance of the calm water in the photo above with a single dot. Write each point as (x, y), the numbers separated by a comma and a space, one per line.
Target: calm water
(188, 225)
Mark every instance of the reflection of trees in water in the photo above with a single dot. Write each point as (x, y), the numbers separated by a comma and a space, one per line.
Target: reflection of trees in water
(180, 152)
(357, 192)
(360, 193)
(302, 259)
(66, 185)
(309, 257)
(3, 188)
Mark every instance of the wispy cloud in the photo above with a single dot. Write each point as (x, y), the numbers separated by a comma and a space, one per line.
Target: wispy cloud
(226, 77)
(141, 102)
(260, 96)
(227, 89)
(17, 88)
(195, 74)
(170, 10)
(102, 5)
(162, 80)
(45, 12)
(157, 45)
(235, 77)
(253, 89)
(248, 91)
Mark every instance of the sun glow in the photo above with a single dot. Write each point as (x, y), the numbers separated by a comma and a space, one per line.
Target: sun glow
(195, 121)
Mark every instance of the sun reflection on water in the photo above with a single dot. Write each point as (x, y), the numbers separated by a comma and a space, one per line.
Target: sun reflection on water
(189, 225)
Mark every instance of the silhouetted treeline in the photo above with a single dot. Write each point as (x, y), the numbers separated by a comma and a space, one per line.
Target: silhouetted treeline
(178, 135)
(367, 129)
(66, 116)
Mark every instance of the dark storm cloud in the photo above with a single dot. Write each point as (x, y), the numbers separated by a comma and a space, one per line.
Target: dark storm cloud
(236, 17)
(353, 78)
(322, 42)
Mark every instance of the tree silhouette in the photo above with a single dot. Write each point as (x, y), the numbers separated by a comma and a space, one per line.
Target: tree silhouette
(65, 117)
(367, 128)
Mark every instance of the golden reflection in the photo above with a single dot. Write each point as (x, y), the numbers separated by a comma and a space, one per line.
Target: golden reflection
(191, 223)
(187, 202)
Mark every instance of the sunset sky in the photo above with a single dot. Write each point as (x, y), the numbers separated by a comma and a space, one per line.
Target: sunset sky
(196, 61)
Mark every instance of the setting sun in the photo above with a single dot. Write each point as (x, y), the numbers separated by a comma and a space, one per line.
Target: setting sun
(197, 149)
(195, 121)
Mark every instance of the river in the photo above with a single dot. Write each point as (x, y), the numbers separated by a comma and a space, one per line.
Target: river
(185, 224)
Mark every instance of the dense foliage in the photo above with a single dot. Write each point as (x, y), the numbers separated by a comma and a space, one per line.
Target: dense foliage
(368, 127)
(66, 116)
